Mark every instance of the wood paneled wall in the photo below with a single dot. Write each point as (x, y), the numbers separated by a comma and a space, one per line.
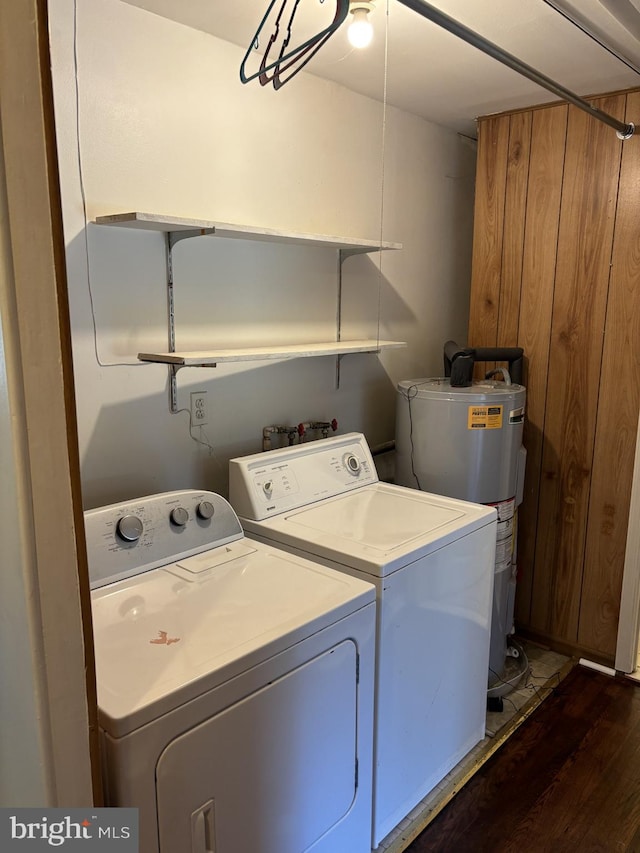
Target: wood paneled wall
(556, 270)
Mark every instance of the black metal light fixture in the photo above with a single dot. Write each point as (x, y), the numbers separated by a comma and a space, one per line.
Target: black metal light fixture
(299, 56)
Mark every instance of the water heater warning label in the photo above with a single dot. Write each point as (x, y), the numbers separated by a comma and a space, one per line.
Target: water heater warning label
(485, 417)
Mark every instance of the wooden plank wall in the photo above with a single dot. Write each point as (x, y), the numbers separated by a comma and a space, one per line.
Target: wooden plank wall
(556, 270)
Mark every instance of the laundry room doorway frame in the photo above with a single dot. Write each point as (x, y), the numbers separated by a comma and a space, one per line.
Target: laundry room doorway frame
(45, 587)
(629, 622)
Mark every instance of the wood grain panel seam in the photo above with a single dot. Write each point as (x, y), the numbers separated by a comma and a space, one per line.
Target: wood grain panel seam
(534, 561)
(537, 154)
(539, 151)
(524, 224)
(488, 234)
(504, 217)
(580, 327)
(600, 380)
(524, 228)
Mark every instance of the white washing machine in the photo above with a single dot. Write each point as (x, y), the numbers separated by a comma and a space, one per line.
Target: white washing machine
(235, 683)
(431, 560)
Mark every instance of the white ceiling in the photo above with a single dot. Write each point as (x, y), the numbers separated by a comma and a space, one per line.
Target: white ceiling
(432, 73)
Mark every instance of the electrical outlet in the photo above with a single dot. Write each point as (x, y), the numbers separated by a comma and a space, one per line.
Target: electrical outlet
(199, 414)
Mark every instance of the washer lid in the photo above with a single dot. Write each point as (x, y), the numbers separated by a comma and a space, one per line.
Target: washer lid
(377, 519)
(377, 528)
(167, 636)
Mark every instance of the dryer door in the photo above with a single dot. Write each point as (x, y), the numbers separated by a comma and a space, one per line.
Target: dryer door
(273, 773)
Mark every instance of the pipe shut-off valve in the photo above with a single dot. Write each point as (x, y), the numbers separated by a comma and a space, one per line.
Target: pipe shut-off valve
(321, 426)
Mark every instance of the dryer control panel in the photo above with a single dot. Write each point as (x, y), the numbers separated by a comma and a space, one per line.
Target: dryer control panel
(132, 537)
(265, 484)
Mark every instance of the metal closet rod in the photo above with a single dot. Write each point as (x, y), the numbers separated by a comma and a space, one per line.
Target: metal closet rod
(625, 131)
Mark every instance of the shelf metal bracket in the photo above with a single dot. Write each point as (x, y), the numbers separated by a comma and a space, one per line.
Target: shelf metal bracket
(343, 254)
(341, 258)
(171, 239)
(173, 388)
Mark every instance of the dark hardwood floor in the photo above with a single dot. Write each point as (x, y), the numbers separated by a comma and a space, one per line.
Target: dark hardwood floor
(567, 780)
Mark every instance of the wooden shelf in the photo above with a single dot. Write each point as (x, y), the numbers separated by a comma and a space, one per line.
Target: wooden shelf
(178, 228)
(157, 222)
(210, 358)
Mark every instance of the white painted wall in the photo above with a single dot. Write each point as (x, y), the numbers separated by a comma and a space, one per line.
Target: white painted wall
(166, 127)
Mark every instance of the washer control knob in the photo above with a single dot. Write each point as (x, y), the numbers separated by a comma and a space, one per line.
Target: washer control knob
(129, 528)
(205, 510)
(268, 487)
(352, 463)
(179, 516)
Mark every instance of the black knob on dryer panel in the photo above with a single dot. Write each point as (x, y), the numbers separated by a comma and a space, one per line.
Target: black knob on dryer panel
(179, 516)
(205, 510)
(129, 528)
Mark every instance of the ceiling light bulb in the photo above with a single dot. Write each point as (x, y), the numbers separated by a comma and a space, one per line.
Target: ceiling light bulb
(360, 30)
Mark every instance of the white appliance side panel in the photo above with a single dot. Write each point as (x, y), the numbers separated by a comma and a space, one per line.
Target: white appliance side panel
(433, 654)
(273, 773)
(129, 762)
(432, 647)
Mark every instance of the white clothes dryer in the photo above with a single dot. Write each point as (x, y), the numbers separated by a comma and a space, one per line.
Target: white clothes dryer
(431, 560)
(235, 683)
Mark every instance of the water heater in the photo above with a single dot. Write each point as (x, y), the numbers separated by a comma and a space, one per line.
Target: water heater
(466, 442)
